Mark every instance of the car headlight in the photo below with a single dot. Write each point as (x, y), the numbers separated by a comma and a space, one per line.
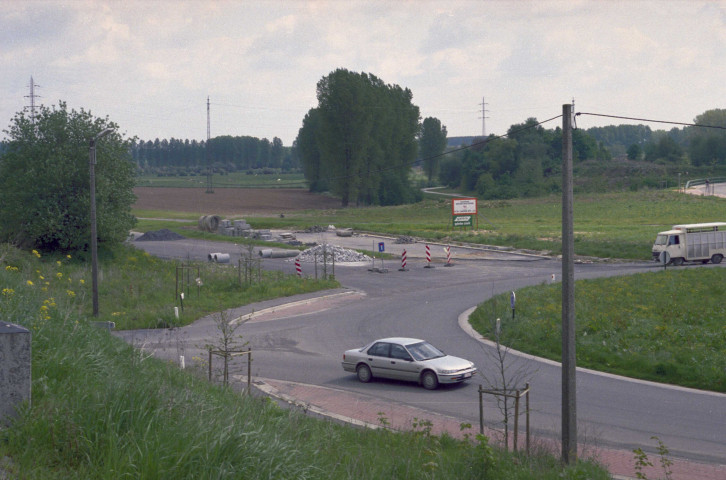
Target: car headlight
(447, 372)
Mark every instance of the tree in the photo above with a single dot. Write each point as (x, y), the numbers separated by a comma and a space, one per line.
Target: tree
(708, 145)
(44, 181)
(309, 151)
(634, 151)
(664, 150)
(432, 144)
(363, 134)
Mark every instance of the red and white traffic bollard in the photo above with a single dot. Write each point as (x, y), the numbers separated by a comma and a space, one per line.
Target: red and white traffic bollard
(448, 257)
(403, 262)
(428, 258)
(298, 268)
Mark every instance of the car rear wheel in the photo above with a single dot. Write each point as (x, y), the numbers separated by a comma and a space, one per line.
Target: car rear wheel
(429, 380)
(717, 258)
(364, 373)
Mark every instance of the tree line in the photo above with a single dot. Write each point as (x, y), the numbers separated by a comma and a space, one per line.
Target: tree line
(526, 161)
(223, 154)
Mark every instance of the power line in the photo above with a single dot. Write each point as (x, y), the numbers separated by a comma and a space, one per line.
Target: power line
(670, 122)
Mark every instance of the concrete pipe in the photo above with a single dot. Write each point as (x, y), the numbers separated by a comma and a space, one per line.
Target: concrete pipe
(221, 257)
(270, 253)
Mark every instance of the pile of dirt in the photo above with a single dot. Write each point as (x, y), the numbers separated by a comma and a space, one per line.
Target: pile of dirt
(160, 236)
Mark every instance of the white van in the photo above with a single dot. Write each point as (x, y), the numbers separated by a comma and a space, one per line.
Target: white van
(695, 242)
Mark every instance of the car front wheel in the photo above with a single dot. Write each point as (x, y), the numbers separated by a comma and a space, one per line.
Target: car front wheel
(364, 373)
(429, 380)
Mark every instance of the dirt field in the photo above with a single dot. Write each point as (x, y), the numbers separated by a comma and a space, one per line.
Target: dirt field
(231, 201)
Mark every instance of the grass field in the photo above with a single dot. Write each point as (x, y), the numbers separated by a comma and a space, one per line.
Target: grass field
(620, 225)
(665, 326)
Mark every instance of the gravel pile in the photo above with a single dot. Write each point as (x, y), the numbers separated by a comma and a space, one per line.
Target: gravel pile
(341, 255)
(159, 235)
(315, 229)
(405, 239)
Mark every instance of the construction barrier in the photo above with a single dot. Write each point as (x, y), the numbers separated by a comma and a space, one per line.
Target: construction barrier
(298, 268)
(403, 262)
(428, 257)
(448, 257)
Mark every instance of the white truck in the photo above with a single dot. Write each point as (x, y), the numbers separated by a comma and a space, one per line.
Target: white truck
(694, 242)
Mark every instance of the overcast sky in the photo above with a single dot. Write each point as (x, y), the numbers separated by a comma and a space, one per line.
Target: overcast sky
(150, 65)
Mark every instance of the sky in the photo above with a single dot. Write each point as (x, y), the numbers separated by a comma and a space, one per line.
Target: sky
(150, 65)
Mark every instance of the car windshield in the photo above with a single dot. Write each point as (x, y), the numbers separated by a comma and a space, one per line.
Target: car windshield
(661, 239)
(424, 351)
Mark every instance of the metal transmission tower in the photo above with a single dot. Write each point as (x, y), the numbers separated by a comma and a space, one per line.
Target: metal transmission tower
(210, 187)
(32, 98)
(483, 118)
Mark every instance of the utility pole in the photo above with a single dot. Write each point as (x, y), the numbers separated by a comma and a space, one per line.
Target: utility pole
(210, 187)
(32, 98)
(483, 118)
(569, 404)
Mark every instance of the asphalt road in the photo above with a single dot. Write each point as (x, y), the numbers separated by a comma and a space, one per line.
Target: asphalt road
(305, 341)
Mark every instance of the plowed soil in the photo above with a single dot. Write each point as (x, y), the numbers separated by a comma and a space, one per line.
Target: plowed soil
(231, 202)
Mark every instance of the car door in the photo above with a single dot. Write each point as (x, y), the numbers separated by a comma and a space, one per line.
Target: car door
(377, 357)
(402, 363)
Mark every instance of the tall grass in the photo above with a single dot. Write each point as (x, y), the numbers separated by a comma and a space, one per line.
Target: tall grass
(665, 326)
(103, 410)
(138, 290)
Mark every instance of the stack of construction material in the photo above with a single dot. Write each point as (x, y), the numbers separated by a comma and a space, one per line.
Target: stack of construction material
(333, 253)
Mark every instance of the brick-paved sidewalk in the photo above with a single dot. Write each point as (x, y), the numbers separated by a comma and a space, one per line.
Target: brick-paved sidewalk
(367, 410)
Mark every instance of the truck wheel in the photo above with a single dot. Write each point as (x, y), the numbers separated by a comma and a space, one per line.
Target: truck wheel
(677, 261)
(717, 258)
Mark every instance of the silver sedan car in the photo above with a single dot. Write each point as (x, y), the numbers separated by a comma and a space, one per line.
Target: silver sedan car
(407, 359)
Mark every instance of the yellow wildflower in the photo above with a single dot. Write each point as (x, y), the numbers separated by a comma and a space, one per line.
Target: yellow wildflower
(71, 293)
(30, 283)
(8, 292)
(35, 252)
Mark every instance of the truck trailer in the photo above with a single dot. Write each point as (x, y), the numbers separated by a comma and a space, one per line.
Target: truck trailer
(694, 242)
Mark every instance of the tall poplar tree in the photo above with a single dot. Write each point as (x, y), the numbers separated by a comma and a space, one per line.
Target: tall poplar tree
(363, 137)
(432, 144)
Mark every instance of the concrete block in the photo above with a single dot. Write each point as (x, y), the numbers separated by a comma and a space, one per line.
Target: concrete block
(15, 364)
